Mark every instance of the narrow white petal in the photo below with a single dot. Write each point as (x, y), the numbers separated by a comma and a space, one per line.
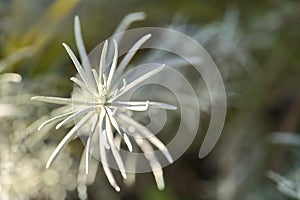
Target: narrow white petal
(136, 82)
(124, 84)
(116, 126)
(82, 177)
(116, 92)
(104, 81)
(54, 119)
(96, 77)
(64, 101)
(102, 61)
(113, 120)
(68, 138)
(102, 132)
(55, 100)
(128, 20)
(82, 85)
(106, 169)
(154, 164)
(131, 53)
(80, 43)
(158, 175)
(93, 165)
(88, 145)
(74, 116)
(113, 65)
(131, 164)
(79, 68)
(162, 105)
(104, 139)
(142, 105)
(115, 152)
(133, 108)
(127, 142)
(142, 130)
(34, 126)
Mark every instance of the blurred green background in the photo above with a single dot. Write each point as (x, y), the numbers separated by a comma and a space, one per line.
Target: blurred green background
(259, 61)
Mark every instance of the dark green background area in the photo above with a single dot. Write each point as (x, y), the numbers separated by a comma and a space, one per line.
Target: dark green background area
(266, 98)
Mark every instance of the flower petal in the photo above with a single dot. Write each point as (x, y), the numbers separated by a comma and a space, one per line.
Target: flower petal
(106, 169)
(68, 138)
(74, 116)
(154, 164)
(115, 152)
(55, 100)
(113, 66)
(86, 79)
(88, 145)
(131, 53)
(82, 85)
(116, 126)
(80, 44)
(102, 61)
(128, 20)
(136, 82)
(102, 132)
(148, 135)
(142, 105)
(54, 119)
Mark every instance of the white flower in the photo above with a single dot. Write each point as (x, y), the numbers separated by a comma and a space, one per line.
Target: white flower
(95, 102)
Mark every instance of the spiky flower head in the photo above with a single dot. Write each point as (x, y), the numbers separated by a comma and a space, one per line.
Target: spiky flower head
(95, 103)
